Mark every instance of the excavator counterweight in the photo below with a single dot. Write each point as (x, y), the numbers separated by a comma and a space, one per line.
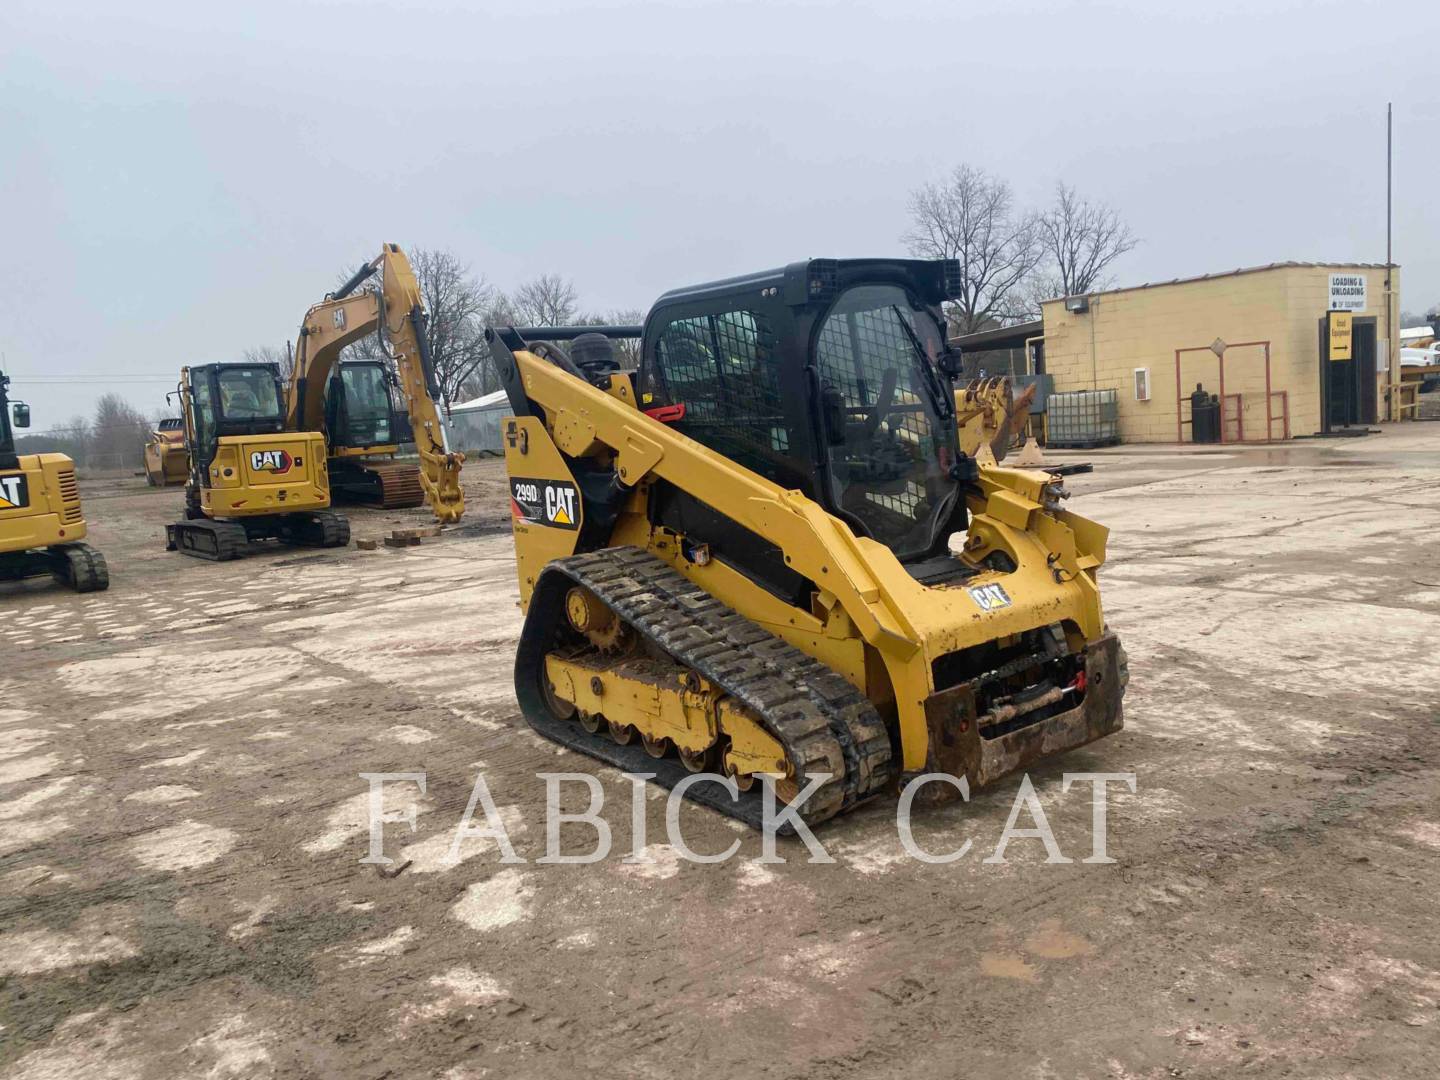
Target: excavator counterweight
(41, 524)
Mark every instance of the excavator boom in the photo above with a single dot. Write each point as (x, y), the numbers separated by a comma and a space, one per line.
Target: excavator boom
(344, 318)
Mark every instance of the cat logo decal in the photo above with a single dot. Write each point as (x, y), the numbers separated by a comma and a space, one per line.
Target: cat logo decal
(555, 503)
(14, 491)
(272, 461)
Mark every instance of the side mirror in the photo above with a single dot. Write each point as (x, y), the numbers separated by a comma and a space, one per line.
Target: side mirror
(21, 414)
(832, 414)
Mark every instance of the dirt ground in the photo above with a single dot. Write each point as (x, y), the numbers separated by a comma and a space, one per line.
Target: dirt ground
(182, 821)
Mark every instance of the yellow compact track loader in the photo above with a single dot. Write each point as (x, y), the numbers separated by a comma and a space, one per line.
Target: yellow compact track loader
(354, 401)
(41, 524)
(250, 479)
(784, 546)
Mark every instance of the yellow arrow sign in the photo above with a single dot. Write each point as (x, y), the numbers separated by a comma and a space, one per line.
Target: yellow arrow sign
(1341, 325)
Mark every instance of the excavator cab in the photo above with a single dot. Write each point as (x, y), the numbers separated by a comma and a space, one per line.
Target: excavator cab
(361, 411)
(250, 479)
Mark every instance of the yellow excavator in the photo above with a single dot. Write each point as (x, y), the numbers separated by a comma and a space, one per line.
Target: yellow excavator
(41, 523)
(785, 546)
(250, 478)
(353, 401)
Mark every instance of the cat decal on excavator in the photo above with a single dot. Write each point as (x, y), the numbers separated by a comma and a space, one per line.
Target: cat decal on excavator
(273, 461)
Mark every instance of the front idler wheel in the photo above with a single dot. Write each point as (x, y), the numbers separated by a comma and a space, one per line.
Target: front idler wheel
(558, 706)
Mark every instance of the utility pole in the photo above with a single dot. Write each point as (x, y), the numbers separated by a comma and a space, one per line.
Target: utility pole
(1390, 353)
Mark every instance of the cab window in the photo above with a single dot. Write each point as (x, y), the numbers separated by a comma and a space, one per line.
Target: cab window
(204, 412)
(891, 467)
(722, 369)
(366, 405)
(248, 394)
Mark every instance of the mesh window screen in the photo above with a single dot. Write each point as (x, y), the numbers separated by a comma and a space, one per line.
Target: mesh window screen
(867, 355)
(722, 369)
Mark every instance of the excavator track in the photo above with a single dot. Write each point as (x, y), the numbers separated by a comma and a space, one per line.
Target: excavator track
(319, 528)
(83, 568)
(824, 724)
(221, 541)
(388, 485)
(217, 541)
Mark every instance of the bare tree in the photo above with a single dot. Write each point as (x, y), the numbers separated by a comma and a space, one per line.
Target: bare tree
(1042, 285)
(1081, 239)
(970, 217)
(71, 438)
(500, 311)
(118, 433)
(80, 436)
(457, 302)
(269, 354)
(548, 300)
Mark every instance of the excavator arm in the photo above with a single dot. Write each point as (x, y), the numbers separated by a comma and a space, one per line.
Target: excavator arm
(405, 318)
(345, 317)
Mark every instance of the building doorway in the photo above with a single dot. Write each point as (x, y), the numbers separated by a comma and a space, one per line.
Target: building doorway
(1347, 387)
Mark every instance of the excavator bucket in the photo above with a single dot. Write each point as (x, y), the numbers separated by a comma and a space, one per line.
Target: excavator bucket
(440, 477)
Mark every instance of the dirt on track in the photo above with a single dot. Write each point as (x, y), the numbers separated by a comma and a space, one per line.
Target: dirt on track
(182, 819)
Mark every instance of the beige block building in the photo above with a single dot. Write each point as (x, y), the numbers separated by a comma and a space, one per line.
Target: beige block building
(1258, 330)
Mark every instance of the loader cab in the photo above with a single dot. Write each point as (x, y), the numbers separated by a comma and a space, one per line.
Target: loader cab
(827, 376)
(361, 411)
(229, 399)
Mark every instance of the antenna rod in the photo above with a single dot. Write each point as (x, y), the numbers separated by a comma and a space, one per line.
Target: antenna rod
(1391, 354)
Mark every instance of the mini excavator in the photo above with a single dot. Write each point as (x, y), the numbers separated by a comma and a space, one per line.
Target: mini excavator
(353, 401)
(41, 523)
(786, 547)
(250, 478)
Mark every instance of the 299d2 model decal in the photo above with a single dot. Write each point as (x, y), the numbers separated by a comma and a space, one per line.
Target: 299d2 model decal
(554, 503)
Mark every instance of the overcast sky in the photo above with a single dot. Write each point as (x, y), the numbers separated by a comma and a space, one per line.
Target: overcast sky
(178, 181)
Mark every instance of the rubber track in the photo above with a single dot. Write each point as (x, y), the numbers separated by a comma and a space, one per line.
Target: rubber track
(824, 723)
(334, 530)
(399, 484)
(85, 569)
(229, 538)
